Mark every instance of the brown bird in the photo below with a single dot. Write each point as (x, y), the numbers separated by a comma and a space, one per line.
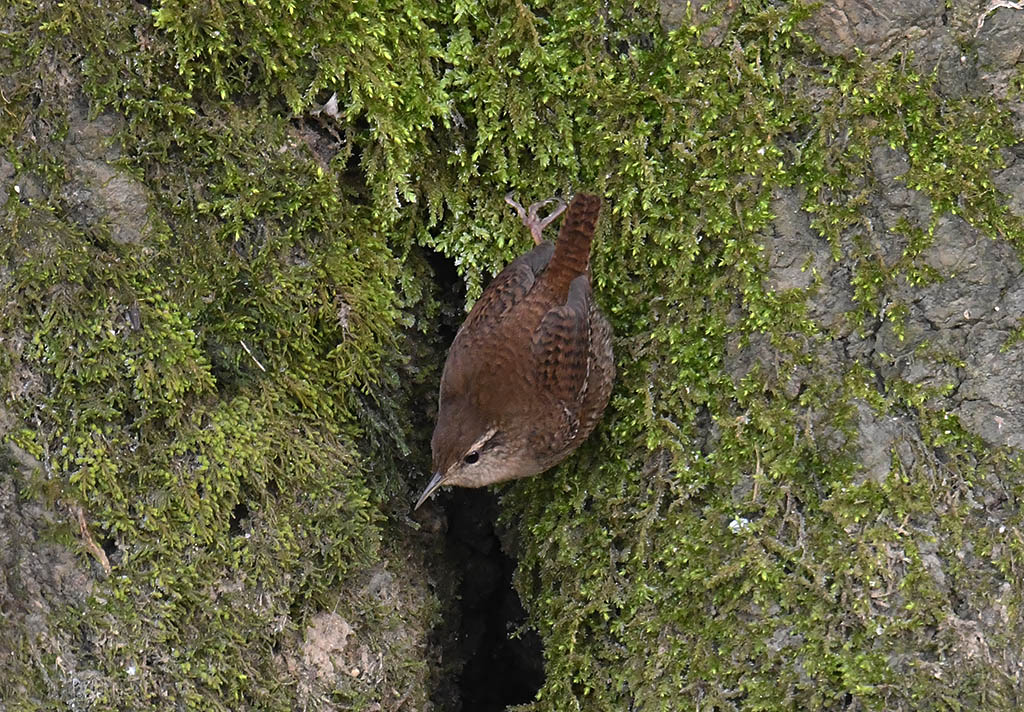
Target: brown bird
(530, 371)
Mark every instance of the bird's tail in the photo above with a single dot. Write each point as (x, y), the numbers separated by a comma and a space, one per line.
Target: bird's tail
(572, 251)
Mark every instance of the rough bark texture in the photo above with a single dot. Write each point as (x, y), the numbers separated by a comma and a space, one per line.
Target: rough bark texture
(225, 232)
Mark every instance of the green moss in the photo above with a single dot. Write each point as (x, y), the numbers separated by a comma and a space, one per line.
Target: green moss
(234, 398)
(757, 572)
(204, 393)
(204, 461)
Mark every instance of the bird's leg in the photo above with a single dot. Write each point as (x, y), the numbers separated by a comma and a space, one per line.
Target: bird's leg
(535, 223)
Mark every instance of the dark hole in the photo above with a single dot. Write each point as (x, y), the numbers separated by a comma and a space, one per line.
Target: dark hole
(109, 545)
(451, 295)
(446, 274)
(499, 670)
(239, 514)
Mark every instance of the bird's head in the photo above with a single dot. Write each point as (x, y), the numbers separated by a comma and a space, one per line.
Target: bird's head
(471, 451)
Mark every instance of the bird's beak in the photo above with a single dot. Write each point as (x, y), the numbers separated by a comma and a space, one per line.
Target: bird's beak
(434, 483)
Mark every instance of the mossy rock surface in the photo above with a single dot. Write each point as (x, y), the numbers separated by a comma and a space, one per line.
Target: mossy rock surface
(224, 230)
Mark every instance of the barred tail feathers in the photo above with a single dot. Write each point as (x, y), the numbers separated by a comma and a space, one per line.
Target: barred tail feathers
(572, 251)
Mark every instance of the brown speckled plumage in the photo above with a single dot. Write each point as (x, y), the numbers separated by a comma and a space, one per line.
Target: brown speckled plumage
(531, 369)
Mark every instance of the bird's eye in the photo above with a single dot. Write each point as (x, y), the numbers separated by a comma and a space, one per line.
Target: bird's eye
(471, 458)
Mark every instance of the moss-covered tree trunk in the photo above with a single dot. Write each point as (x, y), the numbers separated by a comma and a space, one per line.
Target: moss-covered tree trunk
(221, 336)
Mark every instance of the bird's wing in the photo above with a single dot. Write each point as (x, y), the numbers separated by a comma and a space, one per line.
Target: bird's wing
(509, 288)
(506, 290)
(561, 346)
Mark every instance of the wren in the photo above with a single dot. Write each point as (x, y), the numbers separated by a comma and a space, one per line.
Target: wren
(531, 369)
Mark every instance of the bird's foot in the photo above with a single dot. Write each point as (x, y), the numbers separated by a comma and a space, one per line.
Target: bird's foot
(532, 220)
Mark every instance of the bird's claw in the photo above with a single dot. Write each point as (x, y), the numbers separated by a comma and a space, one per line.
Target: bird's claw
(532, 220)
